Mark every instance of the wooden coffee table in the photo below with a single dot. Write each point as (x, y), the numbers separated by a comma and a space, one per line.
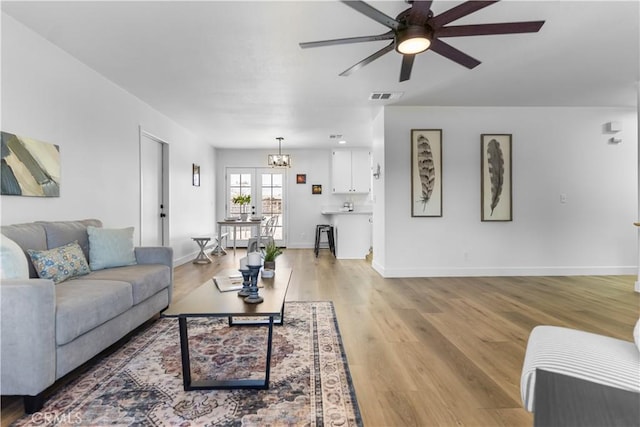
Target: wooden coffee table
(208, 301)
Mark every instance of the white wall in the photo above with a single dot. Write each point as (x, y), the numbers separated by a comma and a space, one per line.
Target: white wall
(555, 150)
(50, 96)
(378, 237)
(303, 208)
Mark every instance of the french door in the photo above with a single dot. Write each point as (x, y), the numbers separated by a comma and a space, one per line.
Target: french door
(267, 190)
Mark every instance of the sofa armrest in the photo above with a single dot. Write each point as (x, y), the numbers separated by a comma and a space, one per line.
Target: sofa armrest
(154, 255)
(27, 336)
(157, 255)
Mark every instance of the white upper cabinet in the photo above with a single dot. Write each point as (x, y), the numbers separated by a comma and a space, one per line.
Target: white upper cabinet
(351, 171)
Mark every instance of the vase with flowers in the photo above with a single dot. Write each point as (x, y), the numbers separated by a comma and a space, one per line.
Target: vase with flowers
(243, 201)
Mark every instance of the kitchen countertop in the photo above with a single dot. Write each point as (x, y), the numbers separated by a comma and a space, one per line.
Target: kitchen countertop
(331, 211)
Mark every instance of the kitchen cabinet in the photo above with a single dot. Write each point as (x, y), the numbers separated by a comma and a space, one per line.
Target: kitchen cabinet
(351, 171)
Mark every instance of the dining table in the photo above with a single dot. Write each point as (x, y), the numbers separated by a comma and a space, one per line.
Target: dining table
(235, 223)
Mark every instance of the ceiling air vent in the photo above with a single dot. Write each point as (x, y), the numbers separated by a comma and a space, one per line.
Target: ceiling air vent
(384, 96)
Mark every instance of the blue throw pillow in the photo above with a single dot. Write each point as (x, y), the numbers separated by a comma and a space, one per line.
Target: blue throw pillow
(61, 263)
(110, 247)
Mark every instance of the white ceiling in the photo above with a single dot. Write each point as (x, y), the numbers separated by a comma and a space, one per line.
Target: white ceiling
(233, 71)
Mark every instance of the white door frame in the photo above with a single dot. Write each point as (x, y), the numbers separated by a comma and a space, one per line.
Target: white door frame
(165, 185)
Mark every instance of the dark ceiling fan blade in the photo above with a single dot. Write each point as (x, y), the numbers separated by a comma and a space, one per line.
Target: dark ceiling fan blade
(372, 13)
(407, 65)
(368, 60)
(419, 12)
(458, 12)
(489, 29)
(386, 36)
(450, 52)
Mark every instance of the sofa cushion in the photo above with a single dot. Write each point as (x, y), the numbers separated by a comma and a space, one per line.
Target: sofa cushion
(110, 247)
(145, 279)
(81, 305)
(28, 236)
(60, 233)
(61, 263)
(13, 262)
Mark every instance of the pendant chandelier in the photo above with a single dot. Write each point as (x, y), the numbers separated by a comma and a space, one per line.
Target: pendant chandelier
(279, 160)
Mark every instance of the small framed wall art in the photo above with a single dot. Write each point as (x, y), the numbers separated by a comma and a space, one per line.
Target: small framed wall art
(301, 178)
(426, 172)
(316, 189)
(195, 172)
(495, 179)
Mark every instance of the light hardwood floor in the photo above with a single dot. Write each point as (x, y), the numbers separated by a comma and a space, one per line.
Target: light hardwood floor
(438, 351)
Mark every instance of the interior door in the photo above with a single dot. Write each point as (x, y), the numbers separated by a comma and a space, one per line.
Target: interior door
(152, 205)
(267, 190)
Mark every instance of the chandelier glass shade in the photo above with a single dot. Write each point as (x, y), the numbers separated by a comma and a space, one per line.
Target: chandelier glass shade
(279, 160)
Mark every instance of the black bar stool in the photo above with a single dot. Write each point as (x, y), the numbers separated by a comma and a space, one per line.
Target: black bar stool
(328, 229)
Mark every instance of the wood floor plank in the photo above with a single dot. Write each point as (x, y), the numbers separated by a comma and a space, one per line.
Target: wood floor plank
(440, 351)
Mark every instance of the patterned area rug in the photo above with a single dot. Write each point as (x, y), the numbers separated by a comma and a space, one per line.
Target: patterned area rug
(141, 383)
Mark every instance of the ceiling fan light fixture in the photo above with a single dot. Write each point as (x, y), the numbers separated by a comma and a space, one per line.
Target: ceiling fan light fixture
(279, 160)
(414, 39)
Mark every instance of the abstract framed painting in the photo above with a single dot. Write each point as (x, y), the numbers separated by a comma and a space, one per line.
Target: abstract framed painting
(496, 178)
(29, 167)
(426, 172)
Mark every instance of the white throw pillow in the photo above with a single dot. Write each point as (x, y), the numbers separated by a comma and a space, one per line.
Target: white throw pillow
(636, 334)
(110, 247)
(13, 261)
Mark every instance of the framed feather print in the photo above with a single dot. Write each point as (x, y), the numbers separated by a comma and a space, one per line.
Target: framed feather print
(496, 188)
(426, 172)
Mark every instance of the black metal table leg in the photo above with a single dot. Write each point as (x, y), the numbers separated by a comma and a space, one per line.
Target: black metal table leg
(184, 352)
(221, 384)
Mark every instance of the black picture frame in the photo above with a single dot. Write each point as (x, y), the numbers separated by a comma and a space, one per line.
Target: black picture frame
(496, 178)
(426, 172)
(195, 174)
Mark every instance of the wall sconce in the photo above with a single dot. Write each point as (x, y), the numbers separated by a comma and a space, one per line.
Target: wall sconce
(376, 174)
(614, 127)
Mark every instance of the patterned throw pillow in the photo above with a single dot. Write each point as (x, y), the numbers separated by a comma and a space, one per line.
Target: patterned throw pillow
(59, 264)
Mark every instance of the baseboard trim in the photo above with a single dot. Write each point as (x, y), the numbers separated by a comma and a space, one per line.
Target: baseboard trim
(507, 271)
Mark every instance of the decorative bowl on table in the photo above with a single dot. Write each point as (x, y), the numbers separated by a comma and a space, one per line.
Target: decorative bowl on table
(232, 218)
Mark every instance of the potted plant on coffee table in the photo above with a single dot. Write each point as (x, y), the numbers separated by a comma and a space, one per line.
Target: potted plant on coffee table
(243, 201)
(271, 252)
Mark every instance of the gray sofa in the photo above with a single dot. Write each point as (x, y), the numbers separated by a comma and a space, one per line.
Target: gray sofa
(47, 330)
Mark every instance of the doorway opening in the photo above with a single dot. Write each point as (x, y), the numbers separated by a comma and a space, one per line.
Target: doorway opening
(154, 190)
(268, 199)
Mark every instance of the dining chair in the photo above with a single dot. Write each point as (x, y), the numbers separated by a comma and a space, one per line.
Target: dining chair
(266, 235)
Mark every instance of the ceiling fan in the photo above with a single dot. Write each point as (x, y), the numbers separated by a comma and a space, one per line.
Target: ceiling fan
(416, 29)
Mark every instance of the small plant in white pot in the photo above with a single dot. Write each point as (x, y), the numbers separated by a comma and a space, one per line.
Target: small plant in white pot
(271, 252)
(243, 201)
